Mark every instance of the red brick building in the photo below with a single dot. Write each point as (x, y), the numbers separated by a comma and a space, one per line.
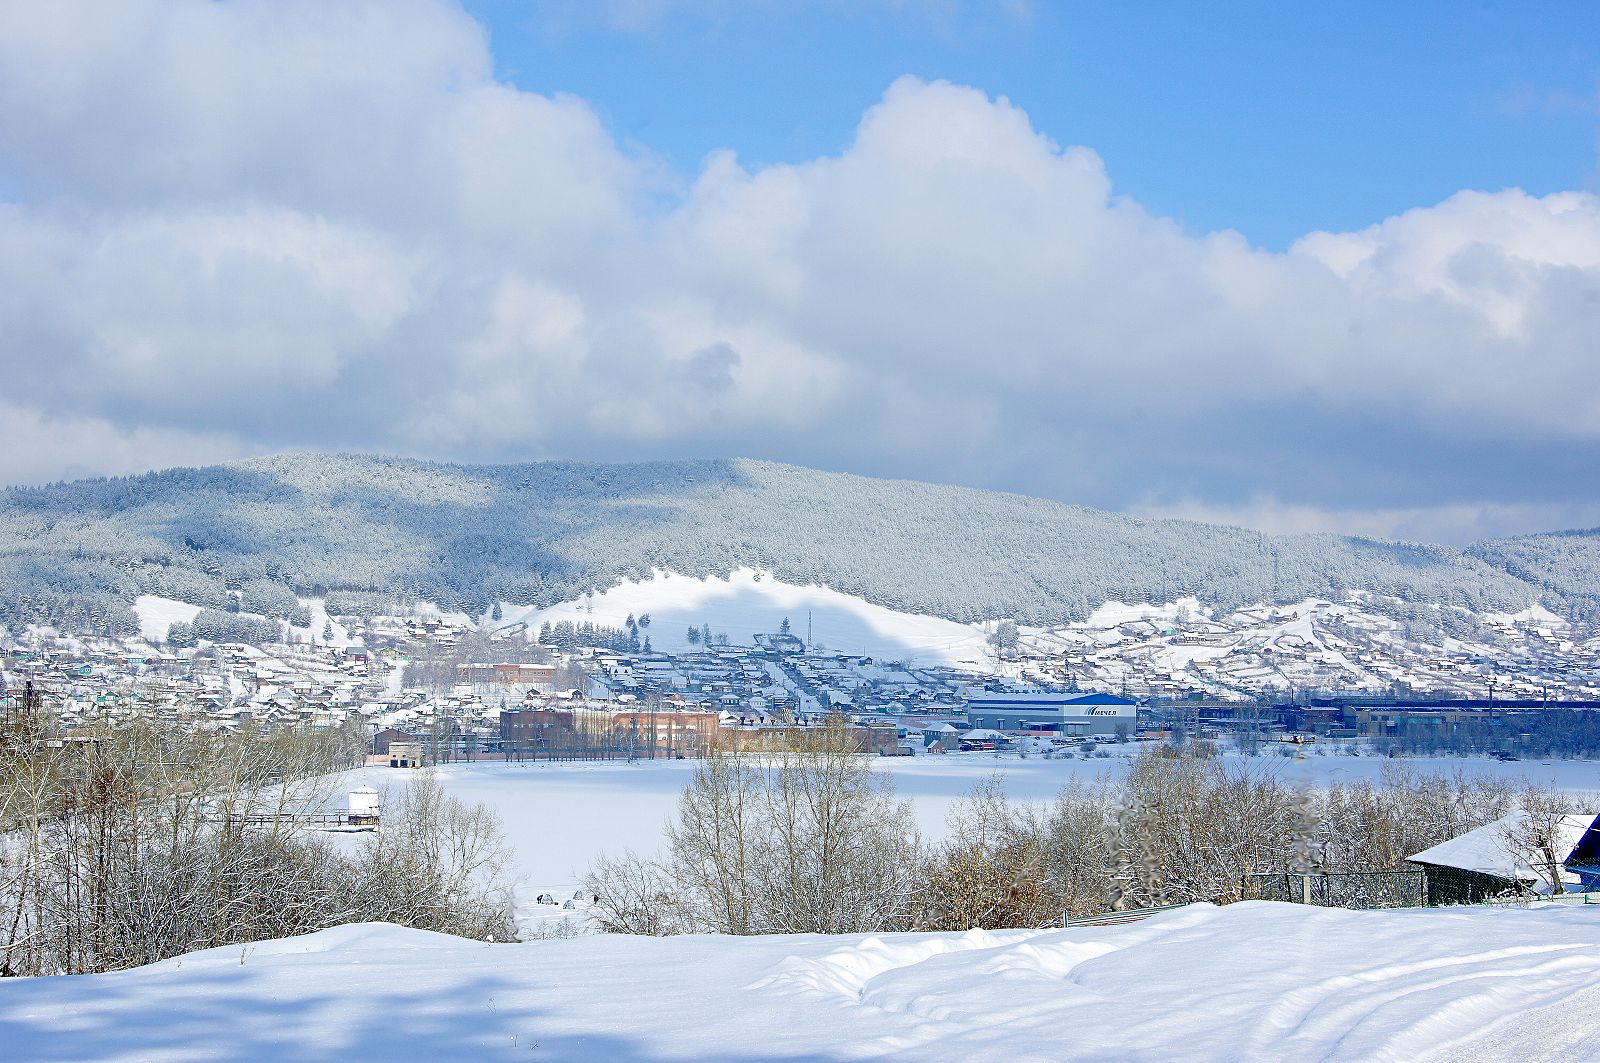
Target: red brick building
(524, 676)
(600, 731)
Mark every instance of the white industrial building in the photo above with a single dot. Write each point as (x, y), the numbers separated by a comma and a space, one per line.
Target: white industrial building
(1063, 713)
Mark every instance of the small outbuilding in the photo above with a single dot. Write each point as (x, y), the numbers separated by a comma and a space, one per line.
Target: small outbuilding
(1499, 858)
(363, 807)
(405, 754)
(381, 740)
(981, 738)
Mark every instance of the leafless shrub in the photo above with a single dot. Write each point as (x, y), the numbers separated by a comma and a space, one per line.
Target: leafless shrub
(993, 871)
(1534, 837)
(1377, 826)
(557, 930)
(132, 844)
(437, 864)
(811, 840)
(806, 840)
(636, 895)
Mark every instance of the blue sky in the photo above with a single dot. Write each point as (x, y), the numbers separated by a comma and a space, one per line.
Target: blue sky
(1275, 119)
(1302, 268)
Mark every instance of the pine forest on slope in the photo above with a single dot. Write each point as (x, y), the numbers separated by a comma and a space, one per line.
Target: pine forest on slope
(373, 534)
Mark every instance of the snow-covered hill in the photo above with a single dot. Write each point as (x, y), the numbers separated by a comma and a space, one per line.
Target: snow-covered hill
(373, 535)
(157, 615)
(749, 602)
(1251, 981)
(1147, 650)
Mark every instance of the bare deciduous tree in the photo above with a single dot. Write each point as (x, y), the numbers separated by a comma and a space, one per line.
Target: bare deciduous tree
(1534, 837)
(125, 845)
(804, 840)
(810, 839)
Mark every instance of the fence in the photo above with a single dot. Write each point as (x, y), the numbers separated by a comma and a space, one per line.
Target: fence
(1132, 915)
(273, 820)
(1526, 899)
(1341, 889)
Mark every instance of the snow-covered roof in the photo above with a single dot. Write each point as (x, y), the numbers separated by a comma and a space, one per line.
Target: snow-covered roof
(1487, 851)
(1046, 698)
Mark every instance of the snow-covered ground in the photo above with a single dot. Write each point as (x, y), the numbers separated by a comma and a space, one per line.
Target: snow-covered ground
(1252, 981)
(749, 603)
(321, 621)
(1534, 614)
(157, 615)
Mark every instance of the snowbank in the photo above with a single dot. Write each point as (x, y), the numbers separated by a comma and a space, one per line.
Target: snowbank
(1252, 981)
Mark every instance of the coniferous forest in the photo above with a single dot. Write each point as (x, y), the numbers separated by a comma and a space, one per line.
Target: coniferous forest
(371, 534)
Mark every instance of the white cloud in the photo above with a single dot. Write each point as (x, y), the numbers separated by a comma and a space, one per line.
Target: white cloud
(39, 448)
(1460, 523)
(305, 223)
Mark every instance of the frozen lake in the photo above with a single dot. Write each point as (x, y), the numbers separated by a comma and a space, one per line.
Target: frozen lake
(560, 816)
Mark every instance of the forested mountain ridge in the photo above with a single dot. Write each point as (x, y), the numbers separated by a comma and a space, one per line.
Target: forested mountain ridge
(374, 533)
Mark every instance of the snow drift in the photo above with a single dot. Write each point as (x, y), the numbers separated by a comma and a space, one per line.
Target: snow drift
(1252, 981)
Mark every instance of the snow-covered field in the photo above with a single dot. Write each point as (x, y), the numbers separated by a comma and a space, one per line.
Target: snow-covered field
(749, 603)
(1251, 981)
(157, 615)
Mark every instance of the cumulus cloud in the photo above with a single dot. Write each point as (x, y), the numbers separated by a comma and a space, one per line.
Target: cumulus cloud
(254, 225)
(1461, 522)
(36, 448)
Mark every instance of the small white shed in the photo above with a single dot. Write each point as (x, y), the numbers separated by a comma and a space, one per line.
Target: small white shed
(363, 806)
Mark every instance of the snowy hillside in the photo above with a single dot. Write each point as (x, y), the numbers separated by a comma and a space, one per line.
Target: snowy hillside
(1252, 981)
(1352, 645)
(374, 535)
(157, 617)
(749, 602)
